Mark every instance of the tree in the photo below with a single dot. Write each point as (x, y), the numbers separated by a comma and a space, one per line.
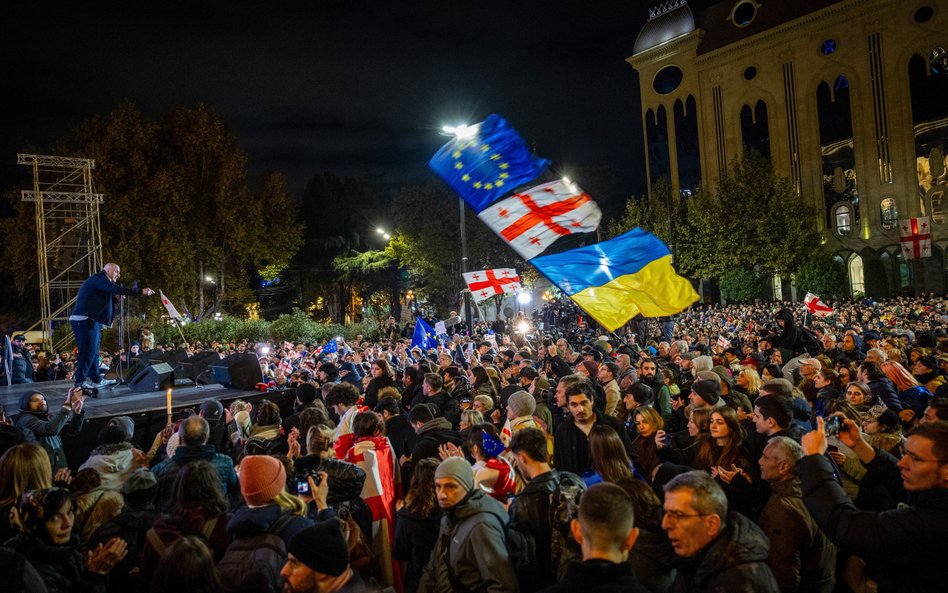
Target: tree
(739, 285)
(822, 275)
(177, 207)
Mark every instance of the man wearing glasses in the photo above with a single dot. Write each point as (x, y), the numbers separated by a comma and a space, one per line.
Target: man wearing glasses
(722, 551)
(903, 545)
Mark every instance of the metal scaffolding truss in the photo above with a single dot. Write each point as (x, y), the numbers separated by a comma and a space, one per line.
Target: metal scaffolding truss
(68, 238)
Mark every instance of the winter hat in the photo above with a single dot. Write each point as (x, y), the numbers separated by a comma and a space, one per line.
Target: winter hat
(458, 469)
(709, 390)
(140, 488)
(591, 368)
(262, 478)
(521, 403)
(322, 548)
(724, 374)
(110, 435)
(242, 419)
(126, 424)
(212, 410)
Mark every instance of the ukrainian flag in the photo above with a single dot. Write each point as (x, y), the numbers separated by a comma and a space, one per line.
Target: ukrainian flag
(617, 279)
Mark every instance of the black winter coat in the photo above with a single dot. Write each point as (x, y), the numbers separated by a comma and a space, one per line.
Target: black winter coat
(415, 537)
(735, 562)
(131, 526)
(598, 576)
(571, 445)
(401, 434)
(63, 568)
(904, 547)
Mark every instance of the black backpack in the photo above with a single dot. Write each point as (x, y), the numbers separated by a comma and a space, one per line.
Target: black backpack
(811, 342)
(252, 564)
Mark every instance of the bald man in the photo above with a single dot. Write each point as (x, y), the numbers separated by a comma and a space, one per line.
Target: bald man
(94, 309)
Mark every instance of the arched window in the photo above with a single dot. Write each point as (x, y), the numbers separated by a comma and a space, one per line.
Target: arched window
(843, 217)
(889, 214)
(656, 134)
(857, 282)
(928, 83)
(838, 153)
(778, 288)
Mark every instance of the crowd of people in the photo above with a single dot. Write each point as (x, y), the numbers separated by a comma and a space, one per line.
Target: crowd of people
(737, 448)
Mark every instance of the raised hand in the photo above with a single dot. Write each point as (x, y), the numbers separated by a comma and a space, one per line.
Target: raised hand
(105, 556)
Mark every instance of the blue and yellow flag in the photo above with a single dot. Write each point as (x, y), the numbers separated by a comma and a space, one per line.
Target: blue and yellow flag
(424, 336)
(617, 279)
(487, 165)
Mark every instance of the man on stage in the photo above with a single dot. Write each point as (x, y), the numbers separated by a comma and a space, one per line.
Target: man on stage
(94, 309)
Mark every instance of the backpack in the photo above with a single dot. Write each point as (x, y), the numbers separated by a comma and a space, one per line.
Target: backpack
(564, 507)
(812, 344)
(252, 564)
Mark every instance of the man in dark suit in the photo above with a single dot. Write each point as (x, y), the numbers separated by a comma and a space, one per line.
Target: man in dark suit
(94, 308)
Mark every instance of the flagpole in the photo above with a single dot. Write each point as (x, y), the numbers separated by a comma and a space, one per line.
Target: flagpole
(177, 324)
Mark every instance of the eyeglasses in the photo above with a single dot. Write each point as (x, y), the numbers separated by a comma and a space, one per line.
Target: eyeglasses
(676, 516)
(916, 459)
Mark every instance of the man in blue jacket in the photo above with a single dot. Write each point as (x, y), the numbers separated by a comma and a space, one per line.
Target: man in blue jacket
(94, 308)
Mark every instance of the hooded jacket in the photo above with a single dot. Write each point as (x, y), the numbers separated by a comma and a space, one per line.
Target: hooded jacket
(113, 462)
(432, 435)
(735, 562)
(167, 471)
(249, 521)
(46, 428)
(472, 544)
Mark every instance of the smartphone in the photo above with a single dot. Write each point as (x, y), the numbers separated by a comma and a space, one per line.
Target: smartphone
(833, 425)
(302, 486)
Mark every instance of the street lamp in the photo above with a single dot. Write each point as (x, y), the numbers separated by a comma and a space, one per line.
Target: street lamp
(462, 132)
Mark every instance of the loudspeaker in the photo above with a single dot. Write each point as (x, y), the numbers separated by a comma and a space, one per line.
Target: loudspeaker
(155, 377)
(237, 371)
(196, 367)
(154, 356)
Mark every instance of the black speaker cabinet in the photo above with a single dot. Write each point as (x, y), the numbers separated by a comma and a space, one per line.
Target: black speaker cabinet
(155, 377)
(196, 367)
(237, 371)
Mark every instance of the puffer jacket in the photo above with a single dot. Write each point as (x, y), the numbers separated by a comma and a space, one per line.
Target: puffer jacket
(735, 562)
(114, 463)
(346, 481)
(472, 545)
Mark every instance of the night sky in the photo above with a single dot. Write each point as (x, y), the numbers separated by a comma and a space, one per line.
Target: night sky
(333, 85)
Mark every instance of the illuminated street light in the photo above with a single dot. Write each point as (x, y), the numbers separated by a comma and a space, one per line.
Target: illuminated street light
(524, 298)
(380, 231)
(462, 131)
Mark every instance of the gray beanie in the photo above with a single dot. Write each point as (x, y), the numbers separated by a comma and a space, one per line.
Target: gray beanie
(458, 469)
(521, 403)
(125, 424)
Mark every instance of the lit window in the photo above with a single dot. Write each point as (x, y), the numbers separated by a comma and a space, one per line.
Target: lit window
(857, 282)
(828, 47)
(939, 205)
(778, 288)
(889, 214)
(844, 220)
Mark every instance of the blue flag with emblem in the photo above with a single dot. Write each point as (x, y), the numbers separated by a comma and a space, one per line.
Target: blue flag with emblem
(486, 162)
(330, 347)
(424, 336)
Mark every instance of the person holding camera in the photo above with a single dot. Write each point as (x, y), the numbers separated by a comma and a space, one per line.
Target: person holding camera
(902, 546)
(35, 419)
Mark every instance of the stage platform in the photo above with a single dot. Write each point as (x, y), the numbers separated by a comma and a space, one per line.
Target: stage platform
(147, 408)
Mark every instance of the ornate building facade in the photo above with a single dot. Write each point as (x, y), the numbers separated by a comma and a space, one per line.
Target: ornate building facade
(848, 99)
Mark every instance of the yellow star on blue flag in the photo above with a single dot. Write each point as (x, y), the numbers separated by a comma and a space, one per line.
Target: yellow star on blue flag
(424, 336)
(488, 165)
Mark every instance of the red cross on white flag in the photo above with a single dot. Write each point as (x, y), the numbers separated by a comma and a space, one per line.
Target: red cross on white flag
(498, 281)
(172, 312)
(533, 220)
(916, 237)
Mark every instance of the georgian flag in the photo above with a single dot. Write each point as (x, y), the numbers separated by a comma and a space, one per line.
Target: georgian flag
(172, 312)
(533, 220)
(817, 307)
(916, 237)
(486, 283)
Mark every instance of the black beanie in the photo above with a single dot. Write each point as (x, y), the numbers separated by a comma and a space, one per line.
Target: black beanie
(709, 390)
(322, 548)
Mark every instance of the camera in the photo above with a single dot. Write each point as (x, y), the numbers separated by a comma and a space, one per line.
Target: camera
(302, 481)
(833, 425)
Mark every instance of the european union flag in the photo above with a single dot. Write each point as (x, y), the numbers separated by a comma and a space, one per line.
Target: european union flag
(424, 336)
(485, 166)
(330, 347)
